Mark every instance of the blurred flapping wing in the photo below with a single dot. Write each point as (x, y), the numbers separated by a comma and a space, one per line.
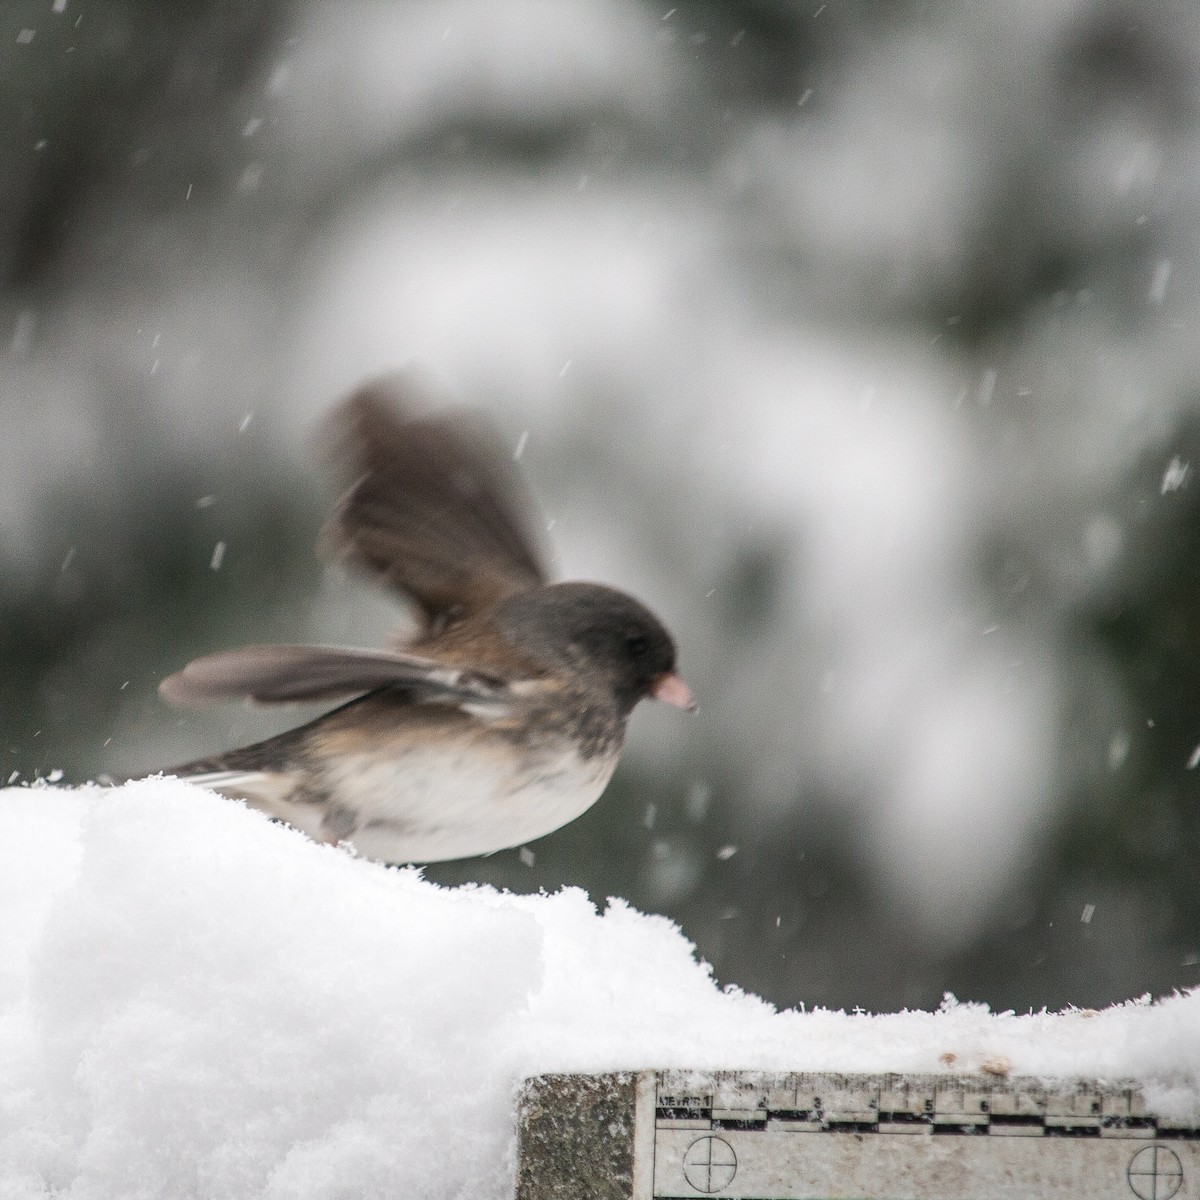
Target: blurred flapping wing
(434, 508)
(282, 674)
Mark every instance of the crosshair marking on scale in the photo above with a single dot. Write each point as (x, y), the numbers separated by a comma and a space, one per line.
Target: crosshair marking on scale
(709, 1164)
(1155, 1173)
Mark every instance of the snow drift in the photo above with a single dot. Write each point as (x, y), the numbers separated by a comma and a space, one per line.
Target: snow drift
(196, 1002)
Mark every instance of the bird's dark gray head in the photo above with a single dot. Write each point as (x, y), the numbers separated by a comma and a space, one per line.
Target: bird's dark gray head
(589, 627)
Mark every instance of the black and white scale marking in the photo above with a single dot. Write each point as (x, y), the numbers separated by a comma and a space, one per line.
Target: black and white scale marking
(749, 1136)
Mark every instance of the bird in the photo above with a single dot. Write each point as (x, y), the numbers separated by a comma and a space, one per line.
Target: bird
(500, 718)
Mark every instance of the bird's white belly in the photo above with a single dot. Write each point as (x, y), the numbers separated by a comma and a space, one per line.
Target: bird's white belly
(439, 803)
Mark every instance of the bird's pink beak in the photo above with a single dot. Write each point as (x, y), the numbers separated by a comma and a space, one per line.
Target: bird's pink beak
(671, 689)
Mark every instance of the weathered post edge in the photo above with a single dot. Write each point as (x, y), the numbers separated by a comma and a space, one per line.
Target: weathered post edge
(576, 1136)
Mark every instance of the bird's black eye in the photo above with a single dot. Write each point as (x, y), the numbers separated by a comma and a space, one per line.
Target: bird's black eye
(637, 644)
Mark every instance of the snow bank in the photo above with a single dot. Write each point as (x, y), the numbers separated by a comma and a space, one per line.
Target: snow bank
(195, 1002)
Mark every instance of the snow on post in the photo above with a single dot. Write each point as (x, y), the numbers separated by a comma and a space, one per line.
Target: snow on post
(194, 1001)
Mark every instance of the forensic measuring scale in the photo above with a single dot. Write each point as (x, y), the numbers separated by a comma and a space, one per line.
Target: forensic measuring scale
(669, 1135)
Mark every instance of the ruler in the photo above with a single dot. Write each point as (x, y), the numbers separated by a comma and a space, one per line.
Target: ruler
(671, 1135)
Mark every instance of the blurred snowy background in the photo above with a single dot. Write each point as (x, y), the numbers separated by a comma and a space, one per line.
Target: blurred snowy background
(859, 339)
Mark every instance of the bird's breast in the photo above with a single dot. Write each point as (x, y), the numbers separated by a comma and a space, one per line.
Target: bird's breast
(425, 803)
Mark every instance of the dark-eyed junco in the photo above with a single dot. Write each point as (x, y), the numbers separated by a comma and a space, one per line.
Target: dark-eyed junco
(501, 719)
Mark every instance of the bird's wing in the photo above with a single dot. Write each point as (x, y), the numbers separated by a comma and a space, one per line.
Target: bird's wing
(433, 507)
(282, 674)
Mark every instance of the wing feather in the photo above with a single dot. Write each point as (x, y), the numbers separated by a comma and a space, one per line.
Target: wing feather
(433, 507)
(283, 674)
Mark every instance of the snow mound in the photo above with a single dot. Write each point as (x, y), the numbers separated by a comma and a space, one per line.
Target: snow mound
(196, 1002)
